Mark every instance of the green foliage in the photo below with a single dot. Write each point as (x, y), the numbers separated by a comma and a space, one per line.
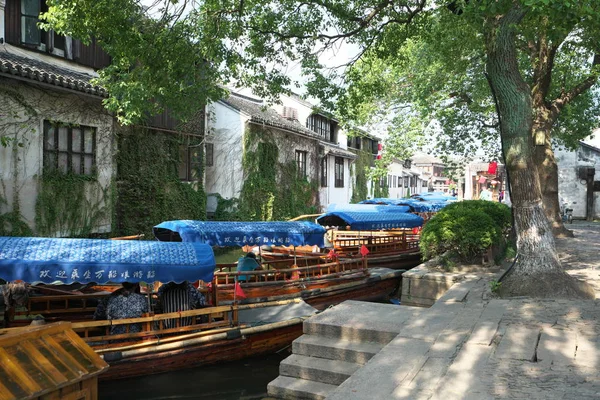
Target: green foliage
(148, 188)
(362, 167)
(495, 286)
(466, 231)
(499, 212)
(12, 222)
(272, 190)
(226, 209)
(70, 204)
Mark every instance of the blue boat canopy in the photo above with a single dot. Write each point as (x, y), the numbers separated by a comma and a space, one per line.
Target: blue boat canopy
(428, 204)
(368, 208)
(67, 261)
(217, 233)
(369, 221)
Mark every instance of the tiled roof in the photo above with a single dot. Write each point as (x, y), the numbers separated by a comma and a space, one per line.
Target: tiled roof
(40, 71)
(425, 159)
(338, 151)
(260, 113)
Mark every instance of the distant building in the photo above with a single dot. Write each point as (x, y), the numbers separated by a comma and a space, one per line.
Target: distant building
(310, 139)
(579, 180)
(479, 175)
(432, 169)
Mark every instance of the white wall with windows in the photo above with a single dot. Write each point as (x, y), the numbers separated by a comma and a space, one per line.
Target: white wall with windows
(48, 131)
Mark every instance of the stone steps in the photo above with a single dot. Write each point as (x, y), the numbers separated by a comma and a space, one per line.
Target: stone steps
(335, 349)
(285, 387)
(332, 372)
(334, 346)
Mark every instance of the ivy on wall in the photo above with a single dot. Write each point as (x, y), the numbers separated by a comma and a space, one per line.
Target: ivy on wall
(272, 190)
(361, 167)
(381, 190)
(148, 187)
(70, 204)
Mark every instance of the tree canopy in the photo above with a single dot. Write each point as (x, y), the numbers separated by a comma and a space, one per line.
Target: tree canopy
(419, 58)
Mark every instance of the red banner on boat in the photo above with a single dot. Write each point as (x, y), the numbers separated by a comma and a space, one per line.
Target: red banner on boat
(492, 168)
(364, 251)
(239, 293)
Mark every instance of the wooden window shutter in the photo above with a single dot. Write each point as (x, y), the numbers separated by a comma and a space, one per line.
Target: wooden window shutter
(12, 18)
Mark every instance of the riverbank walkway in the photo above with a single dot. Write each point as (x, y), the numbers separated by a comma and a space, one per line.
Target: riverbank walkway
(468, 345)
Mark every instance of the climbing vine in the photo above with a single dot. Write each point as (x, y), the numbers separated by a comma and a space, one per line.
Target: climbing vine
(362, 167)
(148, 187)
(272, 190)
(70, 204)
(15, 115)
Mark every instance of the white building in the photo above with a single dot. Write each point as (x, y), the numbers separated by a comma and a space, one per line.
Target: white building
(308, 138)
(52, 125)
(578, 177)
(404, 180)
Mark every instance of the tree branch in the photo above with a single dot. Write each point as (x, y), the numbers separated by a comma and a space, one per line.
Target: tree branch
(566, 97)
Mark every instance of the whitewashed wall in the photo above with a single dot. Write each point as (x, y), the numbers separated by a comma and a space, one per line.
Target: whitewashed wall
(571, 189)
(225, 127)
(332, 195)
(23, 109)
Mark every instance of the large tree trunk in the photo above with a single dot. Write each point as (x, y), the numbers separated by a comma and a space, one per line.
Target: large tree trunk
(548, 176)
(538, 271)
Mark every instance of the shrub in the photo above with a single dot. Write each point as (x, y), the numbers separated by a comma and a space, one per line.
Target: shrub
(499, 212)
(466, 229)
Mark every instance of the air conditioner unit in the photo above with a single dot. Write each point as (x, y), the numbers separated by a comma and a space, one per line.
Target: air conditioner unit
(290, 113)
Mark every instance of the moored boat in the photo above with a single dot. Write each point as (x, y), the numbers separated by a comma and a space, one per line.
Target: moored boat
(214, 334)
(321, 281)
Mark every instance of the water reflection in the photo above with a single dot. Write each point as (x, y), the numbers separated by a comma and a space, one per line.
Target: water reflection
(246, 379)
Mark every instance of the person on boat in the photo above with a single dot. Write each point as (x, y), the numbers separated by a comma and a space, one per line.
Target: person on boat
(176, 297)
(124, 303)
(247, 263)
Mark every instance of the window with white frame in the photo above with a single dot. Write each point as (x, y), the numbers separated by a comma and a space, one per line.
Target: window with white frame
(32, 35)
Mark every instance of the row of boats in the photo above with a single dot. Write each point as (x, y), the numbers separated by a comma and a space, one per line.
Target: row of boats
(351, 252)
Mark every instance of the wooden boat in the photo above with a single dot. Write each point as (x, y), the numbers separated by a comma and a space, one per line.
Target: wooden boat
(386, 236)
(321, 284)
(216, 333)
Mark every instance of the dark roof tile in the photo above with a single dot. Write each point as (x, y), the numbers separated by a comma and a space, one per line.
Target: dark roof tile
(41, 71)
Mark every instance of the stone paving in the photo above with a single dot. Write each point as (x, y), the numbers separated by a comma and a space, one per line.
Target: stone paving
(471, 346)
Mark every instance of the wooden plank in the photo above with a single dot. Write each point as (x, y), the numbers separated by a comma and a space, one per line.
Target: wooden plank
(5, 394)
(11, 366)
(64, 355)
(14, 337)
(86, 350)
(154, 318)
(137, 335)
(46, 366)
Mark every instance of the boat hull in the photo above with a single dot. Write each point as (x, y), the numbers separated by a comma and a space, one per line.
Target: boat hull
(269, 341)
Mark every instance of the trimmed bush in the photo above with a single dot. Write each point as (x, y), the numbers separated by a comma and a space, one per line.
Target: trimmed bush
(466, 229)
(499, 212)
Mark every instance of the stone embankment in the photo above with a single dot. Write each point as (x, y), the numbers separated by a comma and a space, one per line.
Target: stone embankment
(468, 345)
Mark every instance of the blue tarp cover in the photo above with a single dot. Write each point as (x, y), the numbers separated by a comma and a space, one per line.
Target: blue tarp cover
(217, 233)
(416, 205)
(68, 261)
(368, 221)
(367, 208)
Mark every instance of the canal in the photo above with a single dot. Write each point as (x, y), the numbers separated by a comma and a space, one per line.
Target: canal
(246, 379)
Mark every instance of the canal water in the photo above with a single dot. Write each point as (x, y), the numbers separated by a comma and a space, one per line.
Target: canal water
(241, 380)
